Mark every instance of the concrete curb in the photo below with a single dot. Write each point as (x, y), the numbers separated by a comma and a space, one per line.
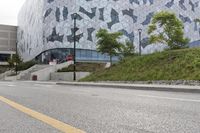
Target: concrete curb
(171, 88)
(40, 82)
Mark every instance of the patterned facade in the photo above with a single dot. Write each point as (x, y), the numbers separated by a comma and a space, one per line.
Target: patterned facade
(48, 24)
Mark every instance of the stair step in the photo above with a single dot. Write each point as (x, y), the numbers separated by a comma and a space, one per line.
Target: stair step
(36, 68)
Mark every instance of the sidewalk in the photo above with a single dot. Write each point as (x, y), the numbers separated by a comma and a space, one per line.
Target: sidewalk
(150, 87)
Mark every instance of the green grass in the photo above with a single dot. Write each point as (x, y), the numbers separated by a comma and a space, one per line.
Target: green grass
(20, 67)
(168, 65)
(26, 65)
(84, 67)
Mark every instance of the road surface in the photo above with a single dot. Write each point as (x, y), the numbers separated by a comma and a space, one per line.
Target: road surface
(95, 109)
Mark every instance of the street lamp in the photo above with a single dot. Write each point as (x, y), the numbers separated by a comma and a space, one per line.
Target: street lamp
(75, 29)
(140, 41)
(16, 57)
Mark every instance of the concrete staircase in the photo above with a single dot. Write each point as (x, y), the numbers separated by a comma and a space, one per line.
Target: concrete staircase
(26, 75)
(6, 74)
(45, 74)
(42, 72)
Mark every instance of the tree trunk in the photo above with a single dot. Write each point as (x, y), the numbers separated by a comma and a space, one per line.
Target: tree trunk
(111, 60)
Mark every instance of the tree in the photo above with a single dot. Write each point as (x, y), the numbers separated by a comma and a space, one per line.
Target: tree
(128, 49)
(168, 29)
(14, 61)
(10, 62)
(197, 20)
(108, 43)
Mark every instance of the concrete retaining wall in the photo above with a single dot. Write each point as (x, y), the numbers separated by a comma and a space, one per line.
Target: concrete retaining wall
(45, 74)
(6, 74)
(68, 76)
(11, 78)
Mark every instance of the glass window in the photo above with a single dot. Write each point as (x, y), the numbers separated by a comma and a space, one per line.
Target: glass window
(89, 54)
(94, 55)
(78, 54)
(81, 54)
(4, 57)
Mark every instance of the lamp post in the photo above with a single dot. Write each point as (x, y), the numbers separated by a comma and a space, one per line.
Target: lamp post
(75, 29)
(17, 58)
(140, 41)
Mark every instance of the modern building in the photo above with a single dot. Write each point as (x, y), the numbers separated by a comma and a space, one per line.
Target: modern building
(46, 27)
(8, 38)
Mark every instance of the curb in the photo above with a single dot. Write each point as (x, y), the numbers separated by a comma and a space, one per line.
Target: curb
(40, 82)
(170, 88)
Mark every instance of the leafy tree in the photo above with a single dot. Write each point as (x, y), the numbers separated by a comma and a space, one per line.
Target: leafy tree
(14, 60)
(128, 49)
(108, 43)
(168, 29)
(197, 20)
(10, 62)
(17, 59)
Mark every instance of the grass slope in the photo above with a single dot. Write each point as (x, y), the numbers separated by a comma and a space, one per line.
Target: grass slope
(168, 65)
(84, 67)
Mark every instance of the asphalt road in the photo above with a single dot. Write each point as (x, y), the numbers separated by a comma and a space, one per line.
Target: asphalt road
(99, 110)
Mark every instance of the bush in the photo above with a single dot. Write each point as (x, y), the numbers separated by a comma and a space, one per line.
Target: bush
(26, 65)
(128, 49)
(84, 67)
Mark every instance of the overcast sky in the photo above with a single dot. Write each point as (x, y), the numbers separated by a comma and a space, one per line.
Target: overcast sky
(9, 10)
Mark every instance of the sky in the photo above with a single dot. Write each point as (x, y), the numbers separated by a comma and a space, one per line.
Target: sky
(9, 10)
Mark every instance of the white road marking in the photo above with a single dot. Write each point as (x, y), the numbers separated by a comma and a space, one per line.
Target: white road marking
(171, 98)
(11, 85)
(43, 85)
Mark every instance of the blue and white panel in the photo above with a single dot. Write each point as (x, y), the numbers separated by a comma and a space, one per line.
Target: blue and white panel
(48, 24)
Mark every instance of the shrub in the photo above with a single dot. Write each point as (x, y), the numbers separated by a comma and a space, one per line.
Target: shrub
(26, 65)
(128, 49)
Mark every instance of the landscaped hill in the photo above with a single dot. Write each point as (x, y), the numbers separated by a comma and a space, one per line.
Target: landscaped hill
(168, 65)
(84, 67)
